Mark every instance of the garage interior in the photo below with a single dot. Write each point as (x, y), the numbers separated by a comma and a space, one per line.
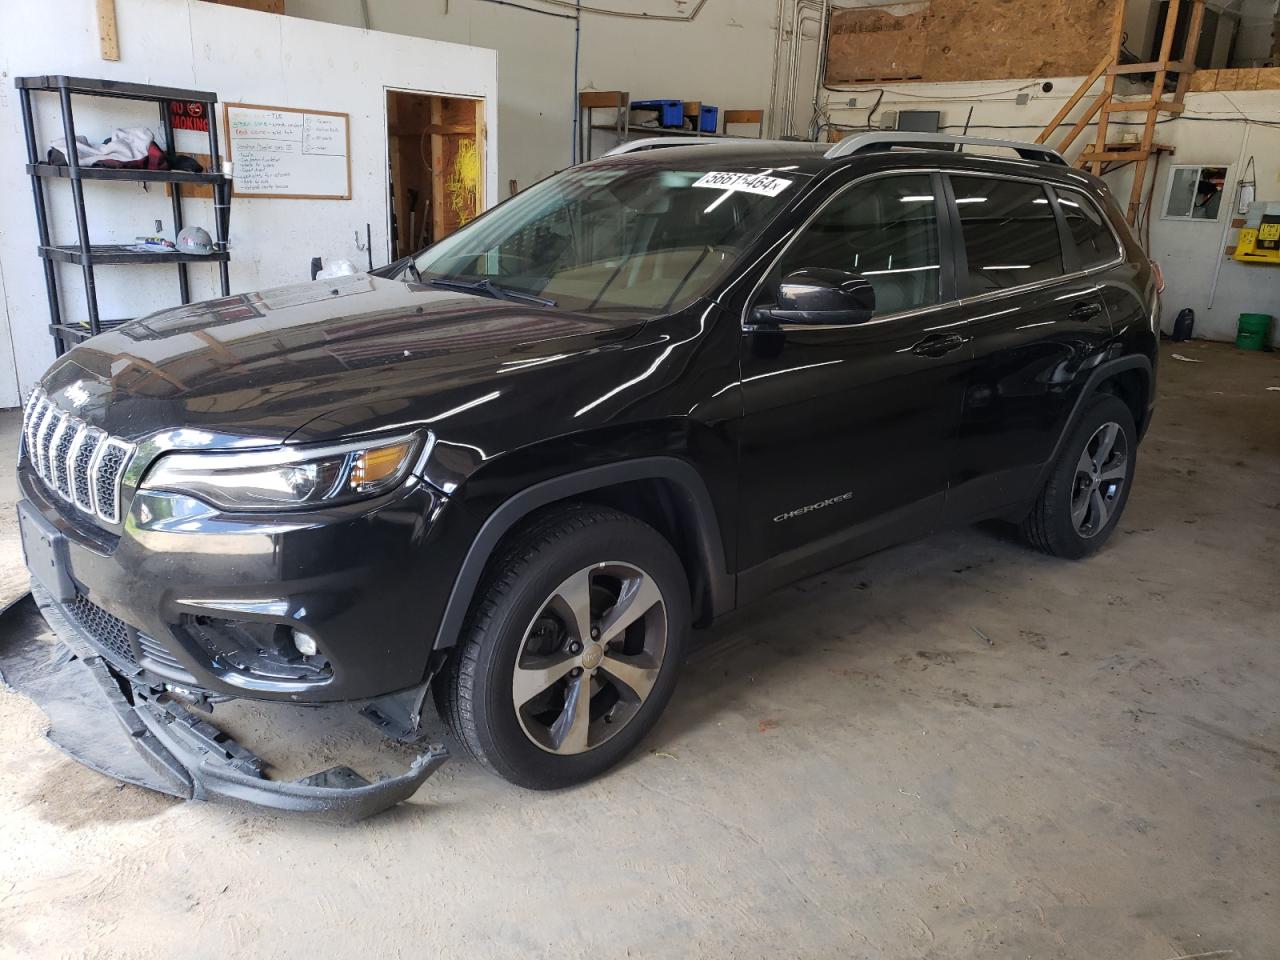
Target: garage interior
(954, 748)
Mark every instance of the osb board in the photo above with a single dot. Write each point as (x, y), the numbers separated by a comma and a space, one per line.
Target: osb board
(1247, 78)
(950, 40)
(877, 44)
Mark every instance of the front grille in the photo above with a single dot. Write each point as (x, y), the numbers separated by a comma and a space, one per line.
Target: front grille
(127, 648)
(109, 633)
(81, 464)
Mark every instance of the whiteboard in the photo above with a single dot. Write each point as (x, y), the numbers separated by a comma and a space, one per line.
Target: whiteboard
(288, 153)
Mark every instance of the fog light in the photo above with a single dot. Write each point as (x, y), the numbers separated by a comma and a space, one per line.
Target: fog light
(305, 643)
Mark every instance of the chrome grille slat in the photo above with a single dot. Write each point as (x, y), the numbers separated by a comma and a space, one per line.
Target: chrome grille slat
(108, 470)
(51, 422)
(59, 447)
(80, 459)
(83, 465)
(40, 407)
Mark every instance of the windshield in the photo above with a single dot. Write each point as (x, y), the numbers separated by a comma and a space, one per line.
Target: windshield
(635, 238)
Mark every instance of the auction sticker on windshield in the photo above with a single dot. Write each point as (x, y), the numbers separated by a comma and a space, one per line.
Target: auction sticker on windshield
(745, 182)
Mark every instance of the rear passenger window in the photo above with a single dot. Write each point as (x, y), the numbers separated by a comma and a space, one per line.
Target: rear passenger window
(1010, 233)
(1095, 243)
(886, 230)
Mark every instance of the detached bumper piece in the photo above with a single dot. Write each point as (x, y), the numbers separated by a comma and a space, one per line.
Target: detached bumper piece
(158, 742)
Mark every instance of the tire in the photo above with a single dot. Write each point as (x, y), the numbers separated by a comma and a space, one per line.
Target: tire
(1082, 500)
(523, 627)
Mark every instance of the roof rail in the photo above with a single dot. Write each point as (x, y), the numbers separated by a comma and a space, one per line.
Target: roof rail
(654, 143)
(888, 139)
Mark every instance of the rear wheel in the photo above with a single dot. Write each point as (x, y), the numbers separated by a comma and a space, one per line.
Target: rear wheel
(571, 650)
(1089, 483)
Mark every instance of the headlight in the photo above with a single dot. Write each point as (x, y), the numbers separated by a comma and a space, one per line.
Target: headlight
(287, 477)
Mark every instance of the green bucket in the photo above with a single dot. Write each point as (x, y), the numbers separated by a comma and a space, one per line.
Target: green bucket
(1254, 331)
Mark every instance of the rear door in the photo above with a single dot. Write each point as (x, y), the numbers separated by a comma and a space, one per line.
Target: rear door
(1037, 319)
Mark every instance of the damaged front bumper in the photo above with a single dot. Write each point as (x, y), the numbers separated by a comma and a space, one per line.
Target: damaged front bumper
(161, 744)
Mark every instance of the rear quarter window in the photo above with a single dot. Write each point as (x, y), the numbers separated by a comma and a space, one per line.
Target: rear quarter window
(1095, 244)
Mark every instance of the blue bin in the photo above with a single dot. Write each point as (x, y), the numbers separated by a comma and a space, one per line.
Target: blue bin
(709, 121)
(670, 112)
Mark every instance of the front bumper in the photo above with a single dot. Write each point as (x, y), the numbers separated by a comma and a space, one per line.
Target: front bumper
(367, 580)
(181, 753)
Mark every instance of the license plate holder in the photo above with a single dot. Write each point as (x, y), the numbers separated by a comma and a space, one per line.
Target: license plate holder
(45, 549)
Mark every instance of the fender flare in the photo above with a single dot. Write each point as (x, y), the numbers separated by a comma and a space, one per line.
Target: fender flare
(1101, 372)
(708, 542)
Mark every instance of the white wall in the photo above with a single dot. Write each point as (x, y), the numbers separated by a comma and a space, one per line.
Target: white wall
(1257, 25)
(723, 57)
(243, 56)
(1188, 251)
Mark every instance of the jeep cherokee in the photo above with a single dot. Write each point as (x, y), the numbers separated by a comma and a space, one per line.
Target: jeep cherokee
(515, 468)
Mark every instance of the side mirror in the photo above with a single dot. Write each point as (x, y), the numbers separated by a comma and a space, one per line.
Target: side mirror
(819, 295)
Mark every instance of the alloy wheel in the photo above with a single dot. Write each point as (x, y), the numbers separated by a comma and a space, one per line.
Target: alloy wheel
(590, 657)
(1101, 473)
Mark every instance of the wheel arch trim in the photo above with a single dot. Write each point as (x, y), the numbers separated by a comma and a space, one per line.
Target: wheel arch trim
(709, 544)
(1102, 372)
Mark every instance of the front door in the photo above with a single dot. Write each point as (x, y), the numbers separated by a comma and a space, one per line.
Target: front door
(847, 428)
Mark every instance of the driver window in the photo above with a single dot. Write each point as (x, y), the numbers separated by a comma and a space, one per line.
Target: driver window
(886, 230)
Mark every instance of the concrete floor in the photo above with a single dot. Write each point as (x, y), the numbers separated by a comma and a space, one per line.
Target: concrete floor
(851, 769)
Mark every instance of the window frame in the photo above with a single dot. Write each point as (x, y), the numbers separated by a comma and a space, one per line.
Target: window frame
(1223, 203)
(963, 277)
(1069, 241)
(1071, 270)
(952, 241)
(948, 294)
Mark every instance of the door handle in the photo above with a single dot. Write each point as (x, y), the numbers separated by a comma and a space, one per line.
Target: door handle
(1084, 310)
(937, 344)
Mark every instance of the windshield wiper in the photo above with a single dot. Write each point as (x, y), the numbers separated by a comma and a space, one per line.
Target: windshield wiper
(412, 267)
(488, 288)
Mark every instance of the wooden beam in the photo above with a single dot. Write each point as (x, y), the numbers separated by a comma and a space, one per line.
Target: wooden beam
(108, 37)
(1083, 122)
(1075, 98)
(482, 147)
(1144, 106)
(1109, 84)
(1110, 155)
(437, 173)
(443, 129)
(1135, 145)
(1190, 48)
(1174, 66)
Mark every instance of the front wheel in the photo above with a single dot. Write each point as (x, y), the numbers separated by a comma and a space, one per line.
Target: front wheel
(571, 649)
(1089, 482)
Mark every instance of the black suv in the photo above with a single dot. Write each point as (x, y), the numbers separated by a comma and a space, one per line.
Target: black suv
(515, 468)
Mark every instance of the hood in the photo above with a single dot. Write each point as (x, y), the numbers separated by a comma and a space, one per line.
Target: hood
(257, 367)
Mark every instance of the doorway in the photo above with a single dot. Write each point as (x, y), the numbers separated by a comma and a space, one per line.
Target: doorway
(435, 167)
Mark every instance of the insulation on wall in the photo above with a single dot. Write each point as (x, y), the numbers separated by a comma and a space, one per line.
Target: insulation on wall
(950, 40)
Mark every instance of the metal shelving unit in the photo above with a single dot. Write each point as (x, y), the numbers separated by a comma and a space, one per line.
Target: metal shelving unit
(88, 255)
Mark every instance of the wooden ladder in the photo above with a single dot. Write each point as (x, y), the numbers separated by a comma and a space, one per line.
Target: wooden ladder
(1099, 155)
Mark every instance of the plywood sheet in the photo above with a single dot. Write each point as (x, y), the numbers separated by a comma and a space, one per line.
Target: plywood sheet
(951, 40)
(877, 43)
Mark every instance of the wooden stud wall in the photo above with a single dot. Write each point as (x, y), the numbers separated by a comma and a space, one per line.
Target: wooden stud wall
(437, 152)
